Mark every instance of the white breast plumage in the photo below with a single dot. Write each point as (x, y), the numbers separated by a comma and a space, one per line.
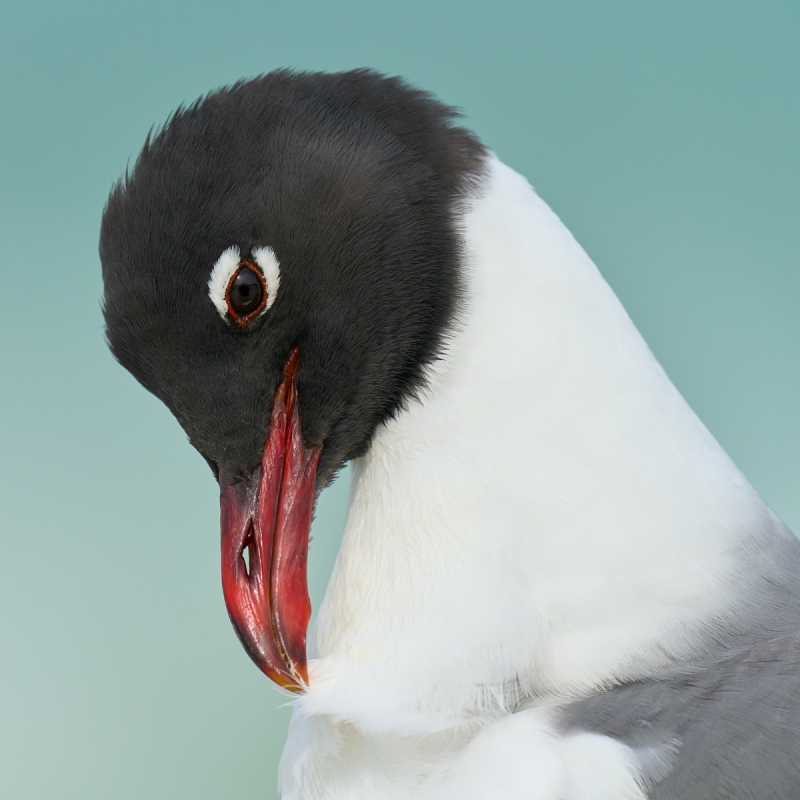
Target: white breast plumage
(550, 518)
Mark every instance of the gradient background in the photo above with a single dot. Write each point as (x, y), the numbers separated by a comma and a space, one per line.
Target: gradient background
(666, 135)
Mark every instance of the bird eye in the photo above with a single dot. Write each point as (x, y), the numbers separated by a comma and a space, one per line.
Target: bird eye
(243, 287)
(246, 293)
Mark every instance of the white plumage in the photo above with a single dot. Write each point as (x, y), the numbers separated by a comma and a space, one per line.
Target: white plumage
(550, 518)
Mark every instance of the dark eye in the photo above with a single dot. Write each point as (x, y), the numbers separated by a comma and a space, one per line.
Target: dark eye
(246, 293)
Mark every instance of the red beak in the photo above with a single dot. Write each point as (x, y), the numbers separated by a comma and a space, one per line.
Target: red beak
(269, 517)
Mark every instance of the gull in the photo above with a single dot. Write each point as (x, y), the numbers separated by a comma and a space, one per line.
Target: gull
(553, 582)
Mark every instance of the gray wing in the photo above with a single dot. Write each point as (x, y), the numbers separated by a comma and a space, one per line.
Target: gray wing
(734, 727)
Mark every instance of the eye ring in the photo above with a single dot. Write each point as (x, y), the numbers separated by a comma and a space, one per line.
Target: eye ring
(243, 315)
(256, 293)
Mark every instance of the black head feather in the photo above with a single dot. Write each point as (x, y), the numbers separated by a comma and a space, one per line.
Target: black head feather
(353, 180)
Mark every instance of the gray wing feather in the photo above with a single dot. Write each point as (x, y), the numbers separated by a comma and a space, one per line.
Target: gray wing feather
(734, 727)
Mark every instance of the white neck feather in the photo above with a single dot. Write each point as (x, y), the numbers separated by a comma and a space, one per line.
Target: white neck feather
(551, 517)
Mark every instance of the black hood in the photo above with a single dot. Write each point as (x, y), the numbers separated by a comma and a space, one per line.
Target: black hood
(353, 180)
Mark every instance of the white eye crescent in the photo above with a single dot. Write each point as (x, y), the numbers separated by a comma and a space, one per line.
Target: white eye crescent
(233, 277)
(271, 269)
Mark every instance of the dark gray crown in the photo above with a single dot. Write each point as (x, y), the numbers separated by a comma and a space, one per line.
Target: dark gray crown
(353, 180)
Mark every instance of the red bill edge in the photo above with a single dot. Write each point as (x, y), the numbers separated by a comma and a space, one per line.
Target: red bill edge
(265, 525)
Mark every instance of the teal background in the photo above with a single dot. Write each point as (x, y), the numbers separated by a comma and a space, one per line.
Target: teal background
(666, 135)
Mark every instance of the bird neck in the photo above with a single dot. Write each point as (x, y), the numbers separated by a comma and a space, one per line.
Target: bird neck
(549, 517)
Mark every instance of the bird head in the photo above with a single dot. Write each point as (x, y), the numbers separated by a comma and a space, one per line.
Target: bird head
(280, 266)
